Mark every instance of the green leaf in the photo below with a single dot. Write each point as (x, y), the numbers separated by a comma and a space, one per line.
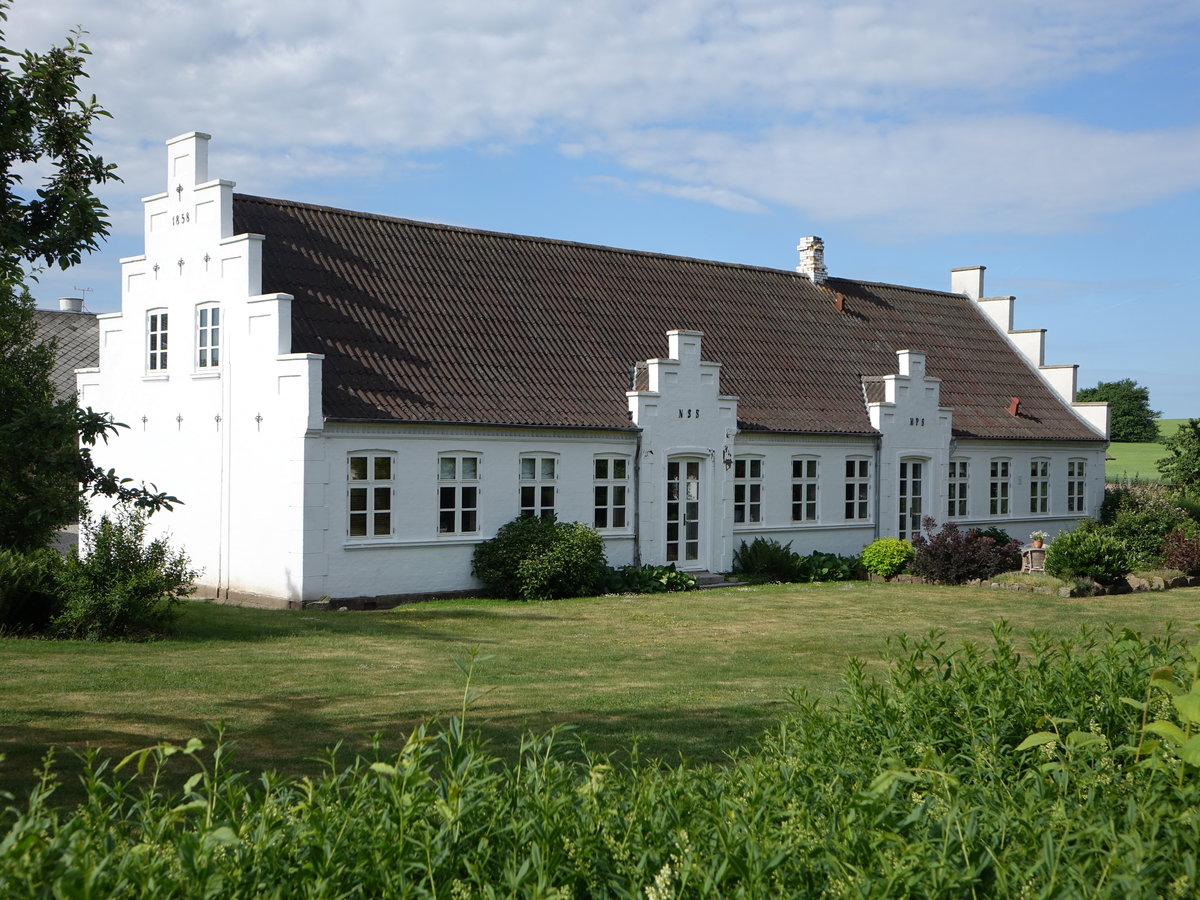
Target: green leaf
(1190, 751)
(190, 806)
(1136, 704)
(1169, 730)
(1167, 684)
(1079, 739)
(384, 769)
(1188, 706)
(190, 785)
(1037, 740)
(221, 837)
(193, 745)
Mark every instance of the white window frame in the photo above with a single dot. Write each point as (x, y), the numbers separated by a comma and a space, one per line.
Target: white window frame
(459, 475)
(610, 492)
(1039, 486)
(370, 495)
(806, 489)
(957, 487)
(1000, 488)
(208, 337)
(857, 489)
(157, 333)
(537, 475)
(1077, 486)
(748, 472)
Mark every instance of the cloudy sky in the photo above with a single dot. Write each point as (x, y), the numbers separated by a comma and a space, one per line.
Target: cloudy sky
(1058, 144)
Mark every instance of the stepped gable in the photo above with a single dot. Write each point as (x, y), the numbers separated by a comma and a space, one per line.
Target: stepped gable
(431, 323)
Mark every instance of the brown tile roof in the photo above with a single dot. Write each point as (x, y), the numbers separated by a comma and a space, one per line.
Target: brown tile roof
(431, 323)
(77, 338)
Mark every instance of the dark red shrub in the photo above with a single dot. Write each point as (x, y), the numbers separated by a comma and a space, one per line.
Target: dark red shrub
(1181, 550)
(952, 556)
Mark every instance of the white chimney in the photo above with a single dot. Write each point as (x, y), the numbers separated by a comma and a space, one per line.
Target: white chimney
(812, 259)
(967, 280)
(70, 304)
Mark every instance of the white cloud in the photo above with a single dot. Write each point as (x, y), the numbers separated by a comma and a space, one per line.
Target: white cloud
(838, 109)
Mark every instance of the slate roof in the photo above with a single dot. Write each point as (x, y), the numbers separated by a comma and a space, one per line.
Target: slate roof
(77, 339)
(431, 323)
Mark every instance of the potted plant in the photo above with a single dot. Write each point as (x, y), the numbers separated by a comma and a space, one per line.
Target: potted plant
(1038, 538)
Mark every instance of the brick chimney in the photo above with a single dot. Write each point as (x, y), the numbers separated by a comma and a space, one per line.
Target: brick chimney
(812, 259)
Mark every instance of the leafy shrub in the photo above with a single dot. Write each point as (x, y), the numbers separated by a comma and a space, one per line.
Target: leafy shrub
(533, 558)
(832, 567)
(123, 586)
(764, 560)
(1140, 516)
(28, 589)
(999, 535)
(645, 580)
(953, 556)
(1181, 550)
(1088, 552)
(887, 556)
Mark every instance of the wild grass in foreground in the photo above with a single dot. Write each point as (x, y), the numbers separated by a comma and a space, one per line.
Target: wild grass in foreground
(968, 772)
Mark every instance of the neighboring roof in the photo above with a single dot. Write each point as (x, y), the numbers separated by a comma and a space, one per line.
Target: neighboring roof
(431, 323)
(77, 338)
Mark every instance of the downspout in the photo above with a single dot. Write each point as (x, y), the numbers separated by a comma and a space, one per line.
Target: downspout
(878, 486)
(637, 498)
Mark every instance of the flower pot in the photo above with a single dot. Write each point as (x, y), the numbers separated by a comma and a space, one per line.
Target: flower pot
(1037, 543)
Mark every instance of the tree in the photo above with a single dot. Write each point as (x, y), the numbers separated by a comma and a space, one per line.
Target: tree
(1132, 419)
(45, 444)
(1182, 467)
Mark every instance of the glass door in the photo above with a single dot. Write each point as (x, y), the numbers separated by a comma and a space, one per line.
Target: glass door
(911, 491)
(683, 512)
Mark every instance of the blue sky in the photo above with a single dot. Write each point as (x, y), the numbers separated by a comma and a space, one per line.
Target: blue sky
(1059, 147)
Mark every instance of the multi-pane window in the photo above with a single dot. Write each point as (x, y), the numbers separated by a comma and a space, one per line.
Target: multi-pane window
(538, 477)
(998, 487)
(747, 490)
(858, 489)
(458, 493)
(1076, 470)
(156, 340)
(208, 337)
(804, 490)
(372, 483)
(611, 488)
(1039, 486)
(956, 490)
(912, 495)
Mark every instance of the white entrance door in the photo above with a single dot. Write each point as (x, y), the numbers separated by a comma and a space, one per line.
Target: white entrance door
(912, 489)
(683, 513)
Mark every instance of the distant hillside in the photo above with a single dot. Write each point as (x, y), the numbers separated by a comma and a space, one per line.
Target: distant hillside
(1139, 460)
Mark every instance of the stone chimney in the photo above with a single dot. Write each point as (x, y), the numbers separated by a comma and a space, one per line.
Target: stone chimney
(967, 280)
(70, 304)
(812, 259)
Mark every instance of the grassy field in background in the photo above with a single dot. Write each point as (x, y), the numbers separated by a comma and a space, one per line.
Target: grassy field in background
(693, 675)
(1138, 460)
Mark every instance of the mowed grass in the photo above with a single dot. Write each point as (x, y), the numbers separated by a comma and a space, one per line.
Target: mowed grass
(683, 675)
(1139, 460)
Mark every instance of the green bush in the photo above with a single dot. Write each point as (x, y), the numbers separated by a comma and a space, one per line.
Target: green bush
(28, 589)
(767, 561)
(533, 558)
(645, 580)
(1140, 516)
(1089, 553)
(887, 556)
(832, 567)
(123, 586)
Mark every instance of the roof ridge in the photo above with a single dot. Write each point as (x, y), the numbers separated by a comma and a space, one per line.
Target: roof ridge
(562, 242)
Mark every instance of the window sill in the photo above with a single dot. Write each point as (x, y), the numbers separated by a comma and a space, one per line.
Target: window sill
(205, 376)
(394, 543)
(156, 378)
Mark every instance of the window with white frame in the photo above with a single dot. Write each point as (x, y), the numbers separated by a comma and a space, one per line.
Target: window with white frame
(956, 490)
(1076, 495)
(804, 489)
(912, 497)
(156, 340)
(539, 475)
(208, 336)
(747, 490)
(1039, 486)
(458, 493)
(371, 489)
(998, 488)
(858, 489)
(611, 491)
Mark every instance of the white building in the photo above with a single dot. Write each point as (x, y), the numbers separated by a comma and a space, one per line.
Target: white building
(347, 403)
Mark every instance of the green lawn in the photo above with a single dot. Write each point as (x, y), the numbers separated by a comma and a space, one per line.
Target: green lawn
(693, 674)
(1138, 460)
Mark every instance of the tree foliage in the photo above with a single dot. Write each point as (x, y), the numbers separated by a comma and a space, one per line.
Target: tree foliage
(45, 443)
(1130, 416)
(1182, 467)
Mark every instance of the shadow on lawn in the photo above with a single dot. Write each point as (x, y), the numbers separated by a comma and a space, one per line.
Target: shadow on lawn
(296, 733)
